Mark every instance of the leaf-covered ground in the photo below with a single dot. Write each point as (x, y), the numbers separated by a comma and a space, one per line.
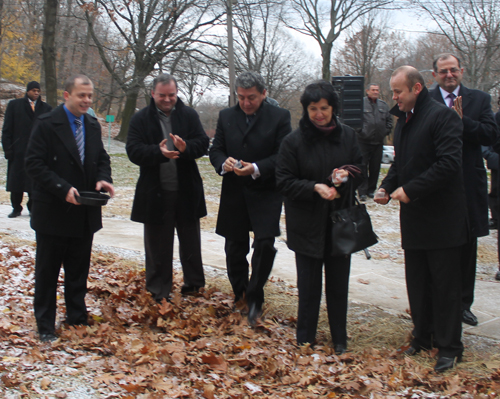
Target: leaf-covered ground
(199, 347)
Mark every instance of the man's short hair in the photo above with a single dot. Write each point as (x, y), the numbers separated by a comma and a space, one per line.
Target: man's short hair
(163, 79)
(444, 56)
(247, 80)
(369, 86)
(411, 74)
(71, 81)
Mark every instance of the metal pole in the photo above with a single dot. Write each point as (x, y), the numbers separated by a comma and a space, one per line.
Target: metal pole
(230, 51)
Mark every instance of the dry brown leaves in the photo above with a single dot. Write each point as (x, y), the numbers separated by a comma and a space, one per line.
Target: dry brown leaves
(190, 347)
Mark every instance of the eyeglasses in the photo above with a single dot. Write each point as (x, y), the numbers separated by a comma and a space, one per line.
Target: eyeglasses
(453, 71)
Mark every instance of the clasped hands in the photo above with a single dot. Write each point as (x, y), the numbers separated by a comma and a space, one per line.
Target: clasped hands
(245, 170)
(100, 185)
(179, 143)
(330, 193)
(382, 197)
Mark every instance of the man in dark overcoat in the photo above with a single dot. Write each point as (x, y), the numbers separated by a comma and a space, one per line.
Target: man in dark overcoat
(19, 118)
(426, 178)
(65, 156)
(479, 128)
(244, 152)
(165, 139)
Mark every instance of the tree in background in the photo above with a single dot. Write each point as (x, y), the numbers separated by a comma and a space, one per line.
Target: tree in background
(324, 21)
(473, 28)
(49, 50)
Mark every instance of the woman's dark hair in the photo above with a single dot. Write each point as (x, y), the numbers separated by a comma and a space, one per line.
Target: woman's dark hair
(315, 91)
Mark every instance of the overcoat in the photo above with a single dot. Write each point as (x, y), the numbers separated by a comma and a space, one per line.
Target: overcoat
(308, 157)
(53, 163)
(428, 165)
(244, 199)
(18, 122)
(479, 128)
(143, 149)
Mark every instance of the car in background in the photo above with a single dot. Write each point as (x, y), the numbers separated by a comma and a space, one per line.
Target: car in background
(388, 154)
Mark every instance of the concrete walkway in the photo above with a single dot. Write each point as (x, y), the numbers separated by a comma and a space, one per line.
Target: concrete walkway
(377, 282)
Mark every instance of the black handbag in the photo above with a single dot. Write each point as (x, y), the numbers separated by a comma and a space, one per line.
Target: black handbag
(352, 228)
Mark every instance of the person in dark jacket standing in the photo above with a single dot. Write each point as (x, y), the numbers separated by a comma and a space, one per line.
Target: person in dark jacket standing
(65, 156)
(18, 122)
(165, 139)
(244, 152)
(479, 128)
(377, 124)
(426, 178)
(307, 158)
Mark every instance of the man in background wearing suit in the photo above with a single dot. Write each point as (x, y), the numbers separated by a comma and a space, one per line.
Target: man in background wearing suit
(244, 152)
(479, 128)
(65, 156)
(18, 122)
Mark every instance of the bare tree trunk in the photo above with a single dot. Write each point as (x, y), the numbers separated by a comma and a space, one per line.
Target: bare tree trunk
(49, 50)
(326, 54)
(66, 33)
(128, 111)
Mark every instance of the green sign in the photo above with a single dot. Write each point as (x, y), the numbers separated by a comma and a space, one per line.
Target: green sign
(110, 118)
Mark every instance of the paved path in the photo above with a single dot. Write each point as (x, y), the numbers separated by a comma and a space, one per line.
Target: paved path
(377, 282)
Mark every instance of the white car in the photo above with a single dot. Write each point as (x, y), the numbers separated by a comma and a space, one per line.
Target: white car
(388, 154)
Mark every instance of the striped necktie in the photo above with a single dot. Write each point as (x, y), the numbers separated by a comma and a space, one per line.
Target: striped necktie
(451, 97)
(80, 142)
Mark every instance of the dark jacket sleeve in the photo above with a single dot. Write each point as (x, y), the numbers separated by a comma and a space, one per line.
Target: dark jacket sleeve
(8, 130)
(483, 131)
(388, 121)
(267, 166)
(196, 139)
(218, 153)
(141, 149)
(448, 146)
(491, 157)
(38, 163)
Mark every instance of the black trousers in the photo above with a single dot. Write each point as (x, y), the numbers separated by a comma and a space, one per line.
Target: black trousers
(159, 248)
(310, 284)
(237, 268)
(468, 265)
(433, 281)
(16, 198)
(74, 255)
(372, 157)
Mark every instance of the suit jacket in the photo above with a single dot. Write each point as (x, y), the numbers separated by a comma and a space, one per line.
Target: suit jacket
(479, 128)
(16, 131)
(243, 198)
(428, 166)
(144, 137)
(54, 165)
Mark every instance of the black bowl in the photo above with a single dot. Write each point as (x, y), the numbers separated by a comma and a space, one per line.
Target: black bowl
(92, 198)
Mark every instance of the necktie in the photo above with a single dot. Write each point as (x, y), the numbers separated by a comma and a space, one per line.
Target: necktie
(451, 97)
(80, 142)
(32, 106)
(408, 116)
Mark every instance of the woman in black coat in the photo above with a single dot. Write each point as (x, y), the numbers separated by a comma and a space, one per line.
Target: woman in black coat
(308, 159)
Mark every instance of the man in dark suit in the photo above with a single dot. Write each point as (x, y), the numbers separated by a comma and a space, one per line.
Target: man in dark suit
(18, 122)
(65, 156)
(244, 152)
(479, 128)
(426, 178)
(165, 139)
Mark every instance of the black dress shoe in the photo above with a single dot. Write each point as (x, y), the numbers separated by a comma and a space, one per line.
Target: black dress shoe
(445, 363)
(14, 214)
(493, 224)
(339, 349)
(469, 318)
(254, 313)
(47, 337)
(497, 276)
(189, 289)
(411, 351)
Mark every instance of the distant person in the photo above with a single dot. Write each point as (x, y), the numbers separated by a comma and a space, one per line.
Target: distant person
(479, 128)
(91, 112)
(308, 156)
(18, 122)
(165, 139)
(377, 124)
(65, 156)
(426, 178)
(244, 152)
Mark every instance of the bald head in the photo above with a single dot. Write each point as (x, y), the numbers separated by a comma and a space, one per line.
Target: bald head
(411, 74)
(406, 84)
